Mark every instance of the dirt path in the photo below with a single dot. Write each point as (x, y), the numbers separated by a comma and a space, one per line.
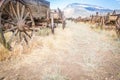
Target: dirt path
(76, 53)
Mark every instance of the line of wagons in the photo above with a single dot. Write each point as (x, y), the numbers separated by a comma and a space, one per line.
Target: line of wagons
(110, 21)
(21, 18)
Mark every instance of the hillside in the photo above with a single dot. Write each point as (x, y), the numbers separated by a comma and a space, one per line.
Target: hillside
(84, 10)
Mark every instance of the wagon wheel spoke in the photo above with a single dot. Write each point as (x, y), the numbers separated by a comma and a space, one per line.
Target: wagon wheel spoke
(10, 29)
(29, 22)
(25, 38)
(28, 13)
(17, 33)
(27, 34)
(9, 21)
(13, 35)
(9, 13)
(13, 10)
(20, 36)
(18, 10)
(22, 11)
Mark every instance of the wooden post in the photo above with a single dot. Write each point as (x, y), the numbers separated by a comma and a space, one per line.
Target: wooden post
(64, 20)
(52, 22)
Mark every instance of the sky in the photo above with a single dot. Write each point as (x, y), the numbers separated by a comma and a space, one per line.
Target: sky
(109, 4)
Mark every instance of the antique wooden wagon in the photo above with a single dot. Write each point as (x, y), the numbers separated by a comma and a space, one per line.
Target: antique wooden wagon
(108, 20)
(113, 19)
(18, 19)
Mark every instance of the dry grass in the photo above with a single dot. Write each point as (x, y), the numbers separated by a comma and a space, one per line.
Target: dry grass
(76, 53)
(56, 74)
(22, 48)
(110, 33)
(4, 53)
(44, 32)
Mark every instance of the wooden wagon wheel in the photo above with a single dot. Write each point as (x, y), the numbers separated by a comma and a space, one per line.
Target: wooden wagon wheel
(16, 20)
(118, 26)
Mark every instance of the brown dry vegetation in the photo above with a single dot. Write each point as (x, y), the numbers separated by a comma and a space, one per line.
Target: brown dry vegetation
(22, 48)
(76, 53)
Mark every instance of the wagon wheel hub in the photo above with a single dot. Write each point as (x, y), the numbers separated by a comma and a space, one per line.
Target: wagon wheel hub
(21, 25)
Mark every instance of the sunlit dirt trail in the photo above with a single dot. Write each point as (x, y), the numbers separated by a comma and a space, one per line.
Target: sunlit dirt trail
(76, 53)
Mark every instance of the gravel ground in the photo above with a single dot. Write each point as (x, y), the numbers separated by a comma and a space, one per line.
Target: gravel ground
(76, 53)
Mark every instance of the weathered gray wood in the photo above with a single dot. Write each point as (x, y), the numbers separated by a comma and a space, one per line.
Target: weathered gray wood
(12, 37)
(22, 12)
(13, 10)
(27, 34)
(52, 23)
(18, 10)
